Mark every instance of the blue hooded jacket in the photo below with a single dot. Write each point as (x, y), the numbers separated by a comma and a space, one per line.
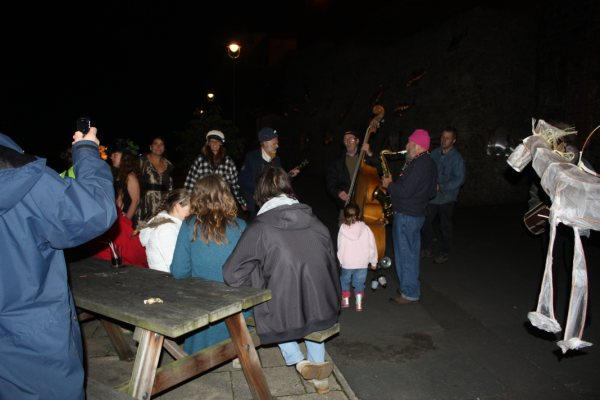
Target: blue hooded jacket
(40, 215)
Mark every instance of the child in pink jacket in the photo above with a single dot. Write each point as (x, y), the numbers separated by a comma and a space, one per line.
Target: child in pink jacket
(356, 250)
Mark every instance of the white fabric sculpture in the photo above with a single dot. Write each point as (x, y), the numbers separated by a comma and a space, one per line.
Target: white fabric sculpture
(574, 191)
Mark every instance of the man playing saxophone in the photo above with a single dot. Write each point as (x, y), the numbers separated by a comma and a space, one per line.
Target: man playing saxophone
(411, 191)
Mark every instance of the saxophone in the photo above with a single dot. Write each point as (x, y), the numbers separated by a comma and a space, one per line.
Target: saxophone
(382, 195)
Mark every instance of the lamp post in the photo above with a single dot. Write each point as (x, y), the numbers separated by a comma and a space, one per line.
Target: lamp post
(233, 51)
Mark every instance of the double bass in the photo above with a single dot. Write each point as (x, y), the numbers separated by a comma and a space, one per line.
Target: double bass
(365, 181)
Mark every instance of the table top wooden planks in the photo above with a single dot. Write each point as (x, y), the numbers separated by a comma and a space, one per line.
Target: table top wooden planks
(188, 304)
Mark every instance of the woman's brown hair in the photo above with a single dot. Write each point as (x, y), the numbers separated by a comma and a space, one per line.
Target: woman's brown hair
(129, 164)
(214, 207)
(273, 182)
(176, 196)
(214, 159)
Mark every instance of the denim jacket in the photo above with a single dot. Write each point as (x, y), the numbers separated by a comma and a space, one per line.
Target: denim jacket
(451, 174)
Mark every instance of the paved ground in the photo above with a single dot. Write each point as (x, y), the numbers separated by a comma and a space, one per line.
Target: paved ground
(468, 338)
(223, 383)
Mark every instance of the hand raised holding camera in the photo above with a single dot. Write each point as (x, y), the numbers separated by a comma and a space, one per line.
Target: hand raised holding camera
(91, 135)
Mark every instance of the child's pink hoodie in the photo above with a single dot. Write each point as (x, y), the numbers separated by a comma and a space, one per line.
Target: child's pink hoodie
(356, 246)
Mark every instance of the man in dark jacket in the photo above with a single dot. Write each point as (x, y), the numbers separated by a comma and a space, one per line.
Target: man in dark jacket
(341, 170)
(411, 192)
(40, 215)
(287, 250)
(256, 161)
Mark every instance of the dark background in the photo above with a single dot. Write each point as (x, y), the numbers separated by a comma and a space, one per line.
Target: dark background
(313, 69)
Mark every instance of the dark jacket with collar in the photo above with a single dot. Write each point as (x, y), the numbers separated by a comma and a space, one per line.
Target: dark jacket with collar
(253, 166)
(40, 215)
(338, 179)
(288, 251)
(415, 186)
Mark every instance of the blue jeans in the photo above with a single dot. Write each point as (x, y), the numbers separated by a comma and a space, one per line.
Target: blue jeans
(315, 352)
(356, 276)
(407, 247)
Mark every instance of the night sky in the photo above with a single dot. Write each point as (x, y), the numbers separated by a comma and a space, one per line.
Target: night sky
(140, 69)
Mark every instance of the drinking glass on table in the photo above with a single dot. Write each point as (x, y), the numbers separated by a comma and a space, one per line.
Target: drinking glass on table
(116, 256)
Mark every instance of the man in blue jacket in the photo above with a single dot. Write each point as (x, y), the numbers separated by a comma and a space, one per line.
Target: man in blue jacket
(40, 215)
(451, 176)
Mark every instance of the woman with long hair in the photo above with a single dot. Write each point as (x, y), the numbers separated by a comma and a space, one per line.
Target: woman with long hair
(125, 170)
(126, 180)
(159, 234)
(213, 159)
(156, 178)
(205, 240)
(287, 250)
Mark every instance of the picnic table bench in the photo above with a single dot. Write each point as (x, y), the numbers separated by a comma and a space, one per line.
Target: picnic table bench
(187, 305)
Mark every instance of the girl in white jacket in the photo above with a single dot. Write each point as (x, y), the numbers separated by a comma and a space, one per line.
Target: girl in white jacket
(356, 250)
(159, 234)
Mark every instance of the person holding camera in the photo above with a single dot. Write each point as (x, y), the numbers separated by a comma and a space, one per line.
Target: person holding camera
(42, 214)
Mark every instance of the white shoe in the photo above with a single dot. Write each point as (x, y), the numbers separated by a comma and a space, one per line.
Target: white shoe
(236, 364)
(374, 284)
(345, 302)
(359, 300)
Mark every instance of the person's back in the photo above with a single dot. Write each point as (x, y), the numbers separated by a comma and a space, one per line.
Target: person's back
(159, 238)
(356, 250)
(204, 242)
(40, 215)
(300, 270)
(159, 234)
(287, 250)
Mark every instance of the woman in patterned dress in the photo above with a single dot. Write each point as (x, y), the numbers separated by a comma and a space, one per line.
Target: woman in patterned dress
(156, 178)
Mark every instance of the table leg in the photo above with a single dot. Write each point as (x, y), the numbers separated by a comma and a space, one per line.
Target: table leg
(118, 340)
(146, 361)
(248, 357)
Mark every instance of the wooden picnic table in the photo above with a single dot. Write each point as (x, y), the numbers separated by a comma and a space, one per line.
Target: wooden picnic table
(118, 295)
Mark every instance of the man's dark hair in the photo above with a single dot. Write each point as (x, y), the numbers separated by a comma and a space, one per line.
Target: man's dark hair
(273, 182)
(451, 129)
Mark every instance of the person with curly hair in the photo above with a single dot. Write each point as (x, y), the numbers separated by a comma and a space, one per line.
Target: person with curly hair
(206, 239)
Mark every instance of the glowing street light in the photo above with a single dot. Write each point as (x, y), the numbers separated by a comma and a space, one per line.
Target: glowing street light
(233, 51)
(210, 96)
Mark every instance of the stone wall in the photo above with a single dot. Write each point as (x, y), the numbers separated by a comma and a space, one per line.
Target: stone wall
(479, 77)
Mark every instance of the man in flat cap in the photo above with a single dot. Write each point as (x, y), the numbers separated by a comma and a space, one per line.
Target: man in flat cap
(256, 161)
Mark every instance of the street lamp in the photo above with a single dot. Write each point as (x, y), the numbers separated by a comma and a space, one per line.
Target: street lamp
(210, 96)
(233, 51)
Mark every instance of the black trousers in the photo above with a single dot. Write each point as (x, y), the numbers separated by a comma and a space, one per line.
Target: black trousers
(444, 212)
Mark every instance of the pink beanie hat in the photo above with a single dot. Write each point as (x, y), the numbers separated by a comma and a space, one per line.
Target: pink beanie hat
(420, 137)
